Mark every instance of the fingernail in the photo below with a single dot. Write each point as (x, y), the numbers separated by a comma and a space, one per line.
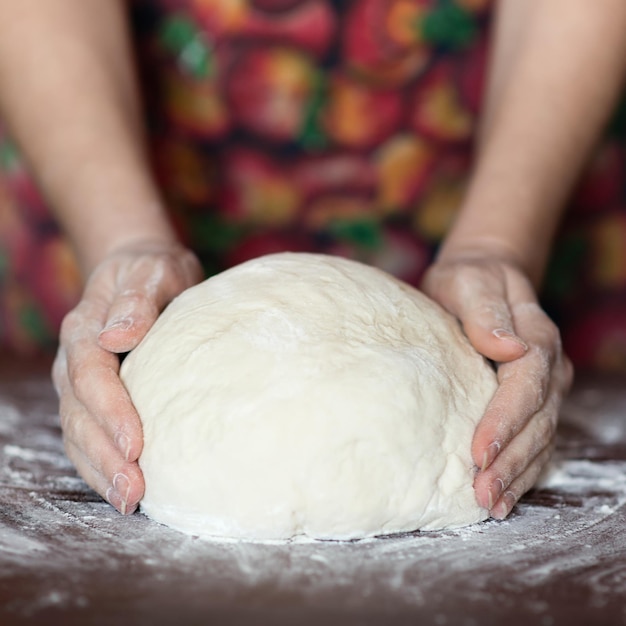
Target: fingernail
(509, 501)
(123, 444)
(121, 484)
(116, 500)
(123, 323)
(494, 491)
(503, 333)
(490, 454)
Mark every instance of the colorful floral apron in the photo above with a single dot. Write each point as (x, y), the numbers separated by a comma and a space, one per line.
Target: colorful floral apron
(342, 127)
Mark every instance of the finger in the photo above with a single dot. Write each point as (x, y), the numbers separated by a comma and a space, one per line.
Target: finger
(487, 321)
(97, 460)
(567, 374)
(104, 397)
(515, 459)
(129, 318)
(92, 376)
(123, 489)
(59, 370)
(511, 495)
(520, 394)
(523, 384)
(143, 294)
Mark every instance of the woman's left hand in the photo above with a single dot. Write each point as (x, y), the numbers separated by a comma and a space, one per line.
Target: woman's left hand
(498, 309)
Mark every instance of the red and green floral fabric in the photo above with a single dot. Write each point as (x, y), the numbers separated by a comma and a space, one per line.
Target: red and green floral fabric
(340, 126)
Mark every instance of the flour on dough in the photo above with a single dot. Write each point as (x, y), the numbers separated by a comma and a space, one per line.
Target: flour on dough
(302, 394)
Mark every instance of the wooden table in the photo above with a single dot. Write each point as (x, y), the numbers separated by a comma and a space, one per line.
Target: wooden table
(67, 557)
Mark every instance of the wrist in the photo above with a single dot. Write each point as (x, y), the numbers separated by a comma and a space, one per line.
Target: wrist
(146, 239)
(475, 246)
(496, 222)
(106, 230)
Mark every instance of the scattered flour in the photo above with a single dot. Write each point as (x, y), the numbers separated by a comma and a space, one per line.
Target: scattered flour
(54, 528)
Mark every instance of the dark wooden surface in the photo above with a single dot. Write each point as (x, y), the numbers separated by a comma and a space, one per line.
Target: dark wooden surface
(66, 557)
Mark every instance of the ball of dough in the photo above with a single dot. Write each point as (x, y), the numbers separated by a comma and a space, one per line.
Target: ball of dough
(302, 394)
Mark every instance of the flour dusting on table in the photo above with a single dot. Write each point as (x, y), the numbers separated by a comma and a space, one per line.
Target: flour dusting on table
(57, 531)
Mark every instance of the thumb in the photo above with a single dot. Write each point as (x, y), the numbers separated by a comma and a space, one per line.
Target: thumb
(488, 324)
(481, 304)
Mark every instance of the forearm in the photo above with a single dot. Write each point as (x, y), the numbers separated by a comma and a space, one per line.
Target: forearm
(557, 70)
(68, 95)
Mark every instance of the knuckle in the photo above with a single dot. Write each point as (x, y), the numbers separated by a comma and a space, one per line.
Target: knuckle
(82, 381)
(539, 386)
(133, 302)
(534, 380)
(191, 266)
(554, 406)
(465, 277)
(567, 374)
(543, 427)
(64, 419)
(529, 478)
(70, 450)
(494, 312)
(542, 332)
(545, 432)
(69, 425)
(71, 431)
(518, 466)
(507, 467)
(133, 296)
(69, 324)
(548, 337)
(59, 371)
(552, 335)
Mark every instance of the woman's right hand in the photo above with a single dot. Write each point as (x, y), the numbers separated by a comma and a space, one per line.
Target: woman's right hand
(122, 299)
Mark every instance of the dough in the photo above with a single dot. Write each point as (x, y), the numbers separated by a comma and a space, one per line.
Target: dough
(306, 394)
